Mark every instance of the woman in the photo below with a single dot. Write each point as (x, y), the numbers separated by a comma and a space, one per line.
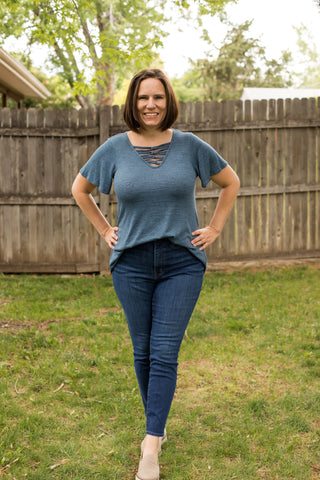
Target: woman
(157, 248)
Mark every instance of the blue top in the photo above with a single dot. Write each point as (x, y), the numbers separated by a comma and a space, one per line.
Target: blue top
(154, 202)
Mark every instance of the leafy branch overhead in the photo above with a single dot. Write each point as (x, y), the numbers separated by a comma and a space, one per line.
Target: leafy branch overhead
(92, 42)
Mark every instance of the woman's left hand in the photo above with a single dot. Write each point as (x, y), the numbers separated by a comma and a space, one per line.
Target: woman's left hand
(204, 237)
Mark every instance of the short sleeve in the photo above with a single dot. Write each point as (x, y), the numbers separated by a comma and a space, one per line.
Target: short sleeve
(100, 168)
(209, 162)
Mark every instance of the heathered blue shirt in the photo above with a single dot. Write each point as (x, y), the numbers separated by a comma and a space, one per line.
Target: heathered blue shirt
(154, 202)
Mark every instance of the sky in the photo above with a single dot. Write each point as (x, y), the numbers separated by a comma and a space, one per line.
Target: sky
(273, 22)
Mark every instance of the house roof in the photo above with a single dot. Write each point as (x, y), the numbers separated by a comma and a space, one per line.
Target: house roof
(17, 82)
(275, 93)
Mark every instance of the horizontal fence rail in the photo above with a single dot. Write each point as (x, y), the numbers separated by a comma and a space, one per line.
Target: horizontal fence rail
(273, 145)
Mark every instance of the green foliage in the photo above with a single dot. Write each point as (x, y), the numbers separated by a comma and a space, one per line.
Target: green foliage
(277, 73)
(88, 40)
(309, 74)
(241, 62)
(61, 92)
(188, 88)
(205, 7)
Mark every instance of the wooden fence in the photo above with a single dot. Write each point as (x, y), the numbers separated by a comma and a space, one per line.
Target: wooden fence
(273, 145)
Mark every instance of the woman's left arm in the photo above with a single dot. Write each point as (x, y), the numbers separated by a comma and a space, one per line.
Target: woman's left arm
(228, 180)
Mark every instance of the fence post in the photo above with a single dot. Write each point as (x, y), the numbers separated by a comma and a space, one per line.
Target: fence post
(104, 133)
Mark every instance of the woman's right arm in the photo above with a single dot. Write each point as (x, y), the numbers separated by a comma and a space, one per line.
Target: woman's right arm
(81, 191)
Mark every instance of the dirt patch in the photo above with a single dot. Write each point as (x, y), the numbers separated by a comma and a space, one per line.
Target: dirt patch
(15, 326)
(262, 264)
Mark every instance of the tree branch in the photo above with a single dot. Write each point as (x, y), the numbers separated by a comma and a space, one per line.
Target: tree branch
(83, 101)
(71, 57)
(100, 22)
(87, 36)
(65, 64)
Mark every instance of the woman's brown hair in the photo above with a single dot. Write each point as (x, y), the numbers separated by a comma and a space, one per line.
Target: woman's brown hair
(130, 112)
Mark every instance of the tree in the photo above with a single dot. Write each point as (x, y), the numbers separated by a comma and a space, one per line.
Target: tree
(309, 74)
(277, 73)
(91, 42)
(241, 62)
(189, 87)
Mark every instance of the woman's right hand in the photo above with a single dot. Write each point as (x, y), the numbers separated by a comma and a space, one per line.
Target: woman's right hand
(110, 236)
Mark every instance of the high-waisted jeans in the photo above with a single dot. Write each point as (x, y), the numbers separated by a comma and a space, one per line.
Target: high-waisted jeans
(158, 284)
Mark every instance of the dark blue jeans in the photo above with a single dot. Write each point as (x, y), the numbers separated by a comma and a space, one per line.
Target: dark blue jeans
(158, 284)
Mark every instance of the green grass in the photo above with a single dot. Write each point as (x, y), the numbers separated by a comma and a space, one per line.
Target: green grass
(247, 404)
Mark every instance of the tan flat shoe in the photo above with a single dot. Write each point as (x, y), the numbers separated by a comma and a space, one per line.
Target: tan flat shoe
(161, 442)
(148, 468)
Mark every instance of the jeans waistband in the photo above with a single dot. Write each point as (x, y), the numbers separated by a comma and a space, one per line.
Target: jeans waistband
(158, 258)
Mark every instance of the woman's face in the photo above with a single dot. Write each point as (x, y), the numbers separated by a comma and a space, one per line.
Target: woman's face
(151, 103)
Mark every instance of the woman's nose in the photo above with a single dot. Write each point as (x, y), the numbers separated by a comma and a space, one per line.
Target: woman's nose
(150, 103)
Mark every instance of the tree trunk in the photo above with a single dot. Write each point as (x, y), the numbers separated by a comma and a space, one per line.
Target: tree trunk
(107, 88)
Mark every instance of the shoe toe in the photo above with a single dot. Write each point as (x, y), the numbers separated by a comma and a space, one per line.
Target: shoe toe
(148, 468)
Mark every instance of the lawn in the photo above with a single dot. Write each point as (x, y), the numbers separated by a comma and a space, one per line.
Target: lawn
(247, 405)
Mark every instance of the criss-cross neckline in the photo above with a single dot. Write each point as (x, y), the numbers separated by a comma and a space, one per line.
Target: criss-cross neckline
(153, 155)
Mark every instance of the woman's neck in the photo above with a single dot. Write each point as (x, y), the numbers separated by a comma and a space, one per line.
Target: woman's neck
(150, 138)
